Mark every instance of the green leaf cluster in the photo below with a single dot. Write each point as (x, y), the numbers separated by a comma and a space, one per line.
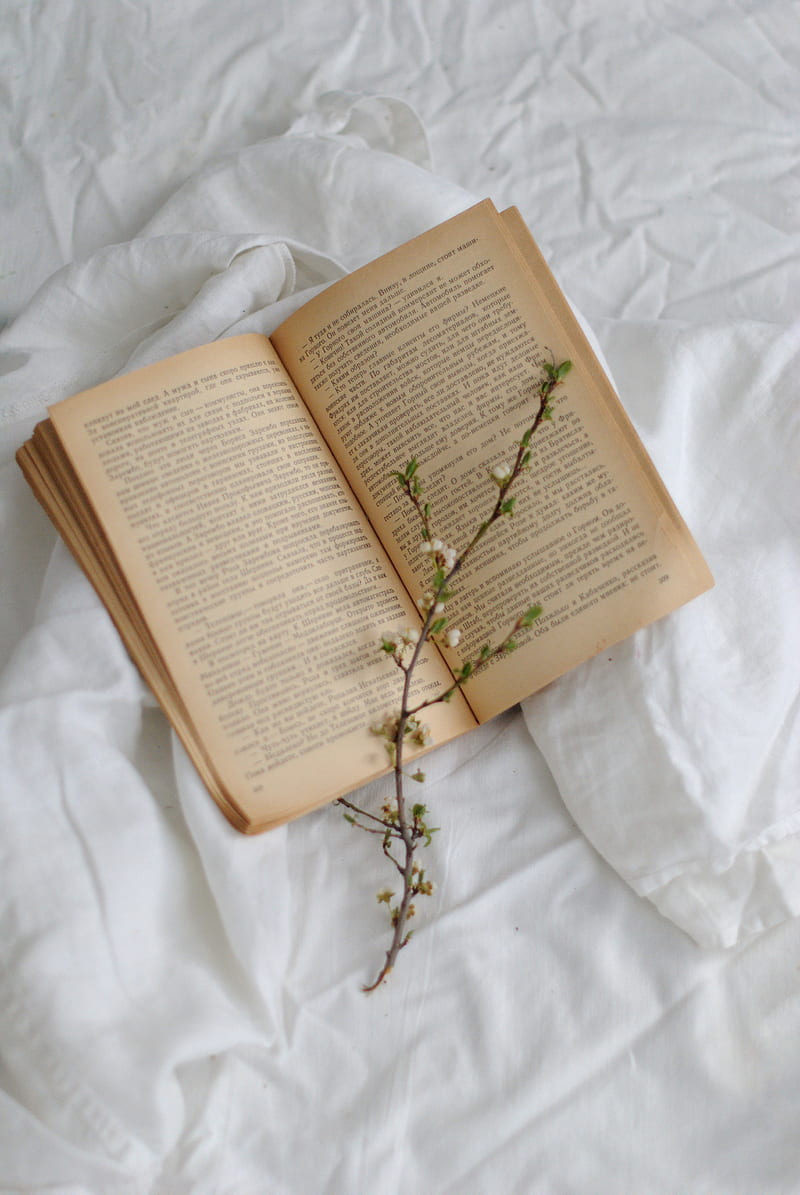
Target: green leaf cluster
(557, 373)
(408, 479)
(530, 616)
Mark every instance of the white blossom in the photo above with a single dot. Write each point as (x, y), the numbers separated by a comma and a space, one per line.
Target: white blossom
(501, 473)
(422, 735)
(387, 727)
(452, 637)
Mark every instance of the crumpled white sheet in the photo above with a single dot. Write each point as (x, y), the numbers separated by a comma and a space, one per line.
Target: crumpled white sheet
(678, 751)
(141, 951)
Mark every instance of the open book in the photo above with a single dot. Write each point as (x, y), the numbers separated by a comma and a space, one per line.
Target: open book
(235, 510)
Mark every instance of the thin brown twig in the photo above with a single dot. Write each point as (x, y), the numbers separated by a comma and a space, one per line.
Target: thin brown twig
(410, 833)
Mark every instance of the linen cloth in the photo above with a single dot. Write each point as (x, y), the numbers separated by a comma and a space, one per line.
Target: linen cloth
(149, 939)
(678, 751)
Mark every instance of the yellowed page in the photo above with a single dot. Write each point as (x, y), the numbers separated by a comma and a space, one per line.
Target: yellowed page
(54, 484)
(436, 351)
(255, 572)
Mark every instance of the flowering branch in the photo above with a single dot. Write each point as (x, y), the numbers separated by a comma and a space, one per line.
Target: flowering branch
(403, 829)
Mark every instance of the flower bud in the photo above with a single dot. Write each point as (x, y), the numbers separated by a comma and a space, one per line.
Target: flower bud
(500, 473)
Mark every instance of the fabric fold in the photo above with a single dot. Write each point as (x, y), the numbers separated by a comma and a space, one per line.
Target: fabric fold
(132, 904)
(678, 751)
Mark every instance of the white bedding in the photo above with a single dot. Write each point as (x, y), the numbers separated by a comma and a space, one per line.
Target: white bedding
(180, 1007)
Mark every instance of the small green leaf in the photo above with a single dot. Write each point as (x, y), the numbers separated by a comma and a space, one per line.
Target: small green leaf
(530, 616)
(564, 369)
(438, 626)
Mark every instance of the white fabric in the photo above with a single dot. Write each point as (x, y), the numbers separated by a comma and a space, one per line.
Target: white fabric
(678, 751)
(680, 761)
(180, 1008)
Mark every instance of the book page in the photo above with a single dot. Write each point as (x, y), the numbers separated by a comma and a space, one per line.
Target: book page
(436, 351)
(55, 484)
(260, 584)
